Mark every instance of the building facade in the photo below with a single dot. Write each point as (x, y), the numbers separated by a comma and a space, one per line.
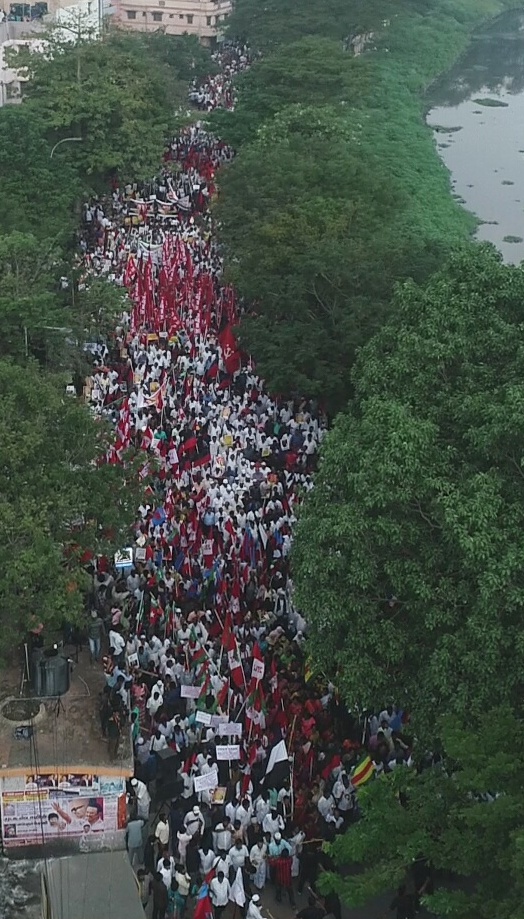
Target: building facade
(203, 18)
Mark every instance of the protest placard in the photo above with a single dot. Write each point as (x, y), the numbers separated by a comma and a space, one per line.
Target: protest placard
(258, 669)
(203, 718)
(228, 752)
(230, 729)
(190, 692)
(209, 780)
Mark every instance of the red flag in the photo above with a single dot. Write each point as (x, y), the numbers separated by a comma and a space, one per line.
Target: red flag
(228, 639)
(231, 354)
(223, 695)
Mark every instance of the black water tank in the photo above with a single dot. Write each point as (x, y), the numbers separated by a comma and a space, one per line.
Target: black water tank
(56, 676)
(50, 674)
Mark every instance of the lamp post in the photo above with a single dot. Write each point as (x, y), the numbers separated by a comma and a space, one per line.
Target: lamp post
(63, 141)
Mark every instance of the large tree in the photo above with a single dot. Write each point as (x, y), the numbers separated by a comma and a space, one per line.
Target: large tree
(56, 501)
(112, 94)
(316, 236)
(465, 815)
(408, 555)
(38, 192)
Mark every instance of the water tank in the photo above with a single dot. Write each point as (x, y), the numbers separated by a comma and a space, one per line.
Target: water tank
(55, 675)
(50, 674)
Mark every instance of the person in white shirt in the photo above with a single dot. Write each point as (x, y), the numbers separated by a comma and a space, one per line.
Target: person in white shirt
(243, 813)
(325, 806)
(219, 892)
(257, 857)
(194, 822)
(162, 831)
(166, 867)
(183, 840)
(238, 854)
(222, 836)
(273, 822)
(262, 807)
(158, 742)
(253, 910)
(230, 810)
(207, 858)
(117, 642)
(143, 799)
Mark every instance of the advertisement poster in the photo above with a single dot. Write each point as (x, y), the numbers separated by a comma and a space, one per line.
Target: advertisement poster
(78, 783)
(41, 812)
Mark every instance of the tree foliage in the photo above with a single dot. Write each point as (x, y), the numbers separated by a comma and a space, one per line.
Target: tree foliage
(292, 195)
(37, 192)
(112, 93)
(408, 555)
(465, 815)
(29, 301)
(55, 500)
(317, 247)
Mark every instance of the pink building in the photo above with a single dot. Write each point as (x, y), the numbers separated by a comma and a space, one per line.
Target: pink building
(204, 18)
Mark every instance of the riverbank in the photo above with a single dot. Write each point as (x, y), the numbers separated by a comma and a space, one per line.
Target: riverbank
(337, 192)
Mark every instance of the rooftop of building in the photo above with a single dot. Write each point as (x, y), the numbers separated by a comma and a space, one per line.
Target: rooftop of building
(67, 738)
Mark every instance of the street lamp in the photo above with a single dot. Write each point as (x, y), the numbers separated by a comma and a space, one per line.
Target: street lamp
(63, 141)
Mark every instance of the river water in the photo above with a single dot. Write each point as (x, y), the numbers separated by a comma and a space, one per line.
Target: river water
(477, 115)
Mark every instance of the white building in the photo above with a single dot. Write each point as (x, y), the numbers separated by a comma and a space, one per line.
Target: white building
(12, 80)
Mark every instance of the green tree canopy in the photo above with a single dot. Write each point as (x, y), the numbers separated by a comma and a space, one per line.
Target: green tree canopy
(30, 305)
(279, 22)
(55, 500)
(314, 69)
(38, 193)
(408, 554)
(112, 93)
(316, 246)
(466, 816)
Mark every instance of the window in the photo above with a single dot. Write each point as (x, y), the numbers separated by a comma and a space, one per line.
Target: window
(189, 18)
(180, 15)
(131, 14)
(157, 17)
(208, 20)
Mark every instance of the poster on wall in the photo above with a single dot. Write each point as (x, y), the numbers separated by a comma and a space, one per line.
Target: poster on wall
(72, 783)
(32, 817)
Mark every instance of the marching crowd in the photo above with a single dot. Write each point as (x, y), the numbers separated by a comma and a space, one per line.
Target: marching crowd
(251, 758)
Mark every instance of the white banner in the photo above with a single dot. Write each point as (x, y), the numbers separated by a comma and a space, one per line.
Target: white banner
(230, 729)
(258, 669)
(190, 692)
(229, 752)
(218, 719)
(203, 717)
(209, 780)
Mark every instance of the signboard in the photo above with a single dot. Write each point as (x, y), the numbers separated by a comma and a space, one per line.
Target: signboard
(203, 718)
(229, 752)
(124, 558)
(32, 817)
(207, 781)
(230, 729)
(190, 692)
(258, 669)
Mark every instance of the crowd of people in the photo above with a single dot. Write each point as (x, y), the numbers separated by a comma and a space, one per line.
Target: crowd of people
(252, 759)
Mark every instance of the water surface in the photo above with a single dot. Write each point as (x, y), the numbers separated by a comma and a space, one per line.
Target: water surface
(485, 151)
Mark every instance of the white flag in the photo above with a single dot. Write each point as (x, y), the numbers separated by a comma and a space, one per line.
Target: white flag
(278, 754)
